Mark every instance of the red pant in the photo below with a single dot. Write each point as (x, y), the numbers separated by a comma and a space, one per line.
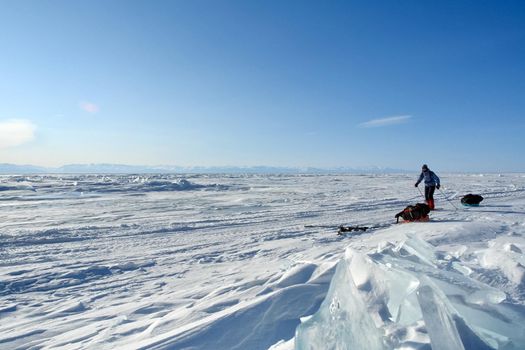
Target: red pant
(429, 195)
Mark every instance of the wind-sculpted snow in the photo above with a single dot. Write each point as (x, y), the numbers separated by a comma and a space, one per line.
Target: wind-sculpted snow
(92, 184)
(246, 261)
(145, 185)
(10, 187)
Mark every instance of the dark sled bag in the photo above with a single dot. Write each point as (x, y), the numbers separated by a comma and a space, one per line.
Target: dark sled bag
(418, 212)
(471, 199)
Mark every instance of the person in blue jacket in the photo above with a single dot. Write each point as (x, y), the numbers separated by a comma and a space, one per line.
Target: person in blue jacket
(431, 183)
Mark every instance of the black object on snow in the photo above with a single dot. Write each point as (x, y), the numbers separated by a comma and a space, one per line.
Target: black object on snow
(471, 199)
(343, 229)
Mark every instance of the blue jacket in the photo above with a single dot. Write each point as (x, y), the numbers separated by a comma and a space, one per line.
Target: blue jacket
(431, 179)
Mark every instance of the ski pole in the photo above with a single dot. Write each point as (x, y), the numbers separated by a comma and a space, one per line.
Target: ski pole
(420, 192)
(448, 199)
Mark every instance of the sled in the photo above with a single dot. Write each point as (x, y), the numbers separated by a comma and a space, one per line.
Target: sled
(423, 219)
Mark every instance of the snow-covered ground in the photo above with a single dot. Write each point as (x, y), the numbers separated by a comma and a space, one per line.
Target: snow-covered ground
(244, 262)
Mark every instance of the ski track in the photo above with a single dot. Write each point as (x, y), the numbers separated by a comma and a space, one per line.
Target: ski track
(222, 262)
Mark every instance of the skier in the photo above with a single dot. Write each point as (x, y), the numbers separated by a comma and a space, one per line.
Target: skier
(431, 183)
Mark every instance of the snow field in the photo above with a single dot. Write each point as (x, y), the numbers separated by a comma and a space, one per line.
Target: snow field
(226, 262)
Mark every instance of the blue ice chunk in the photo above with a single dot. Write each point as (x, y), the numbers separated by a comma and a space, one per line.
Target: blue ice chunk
(438, 320)
(342, 321)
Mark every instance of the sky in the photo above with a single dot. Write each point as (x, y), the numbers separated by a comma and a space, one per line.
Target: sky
(278, 83)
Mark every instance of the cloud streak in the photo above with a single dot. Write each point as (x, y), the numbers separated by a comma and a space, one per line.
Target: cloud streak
(15, 132)
(378, 123)
(89, 107)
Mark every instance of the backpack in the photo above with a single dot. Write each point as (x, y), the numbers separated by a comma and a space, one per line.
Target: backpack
(418, 212)
(471, 199)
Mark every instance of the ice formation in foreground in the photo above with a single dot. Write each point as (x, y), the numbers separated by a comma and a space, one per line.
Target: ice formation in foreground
(407, 296)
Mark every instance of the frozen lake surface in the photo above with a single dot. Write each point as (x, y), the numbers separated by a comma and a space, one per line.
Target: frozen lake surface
(235, 262)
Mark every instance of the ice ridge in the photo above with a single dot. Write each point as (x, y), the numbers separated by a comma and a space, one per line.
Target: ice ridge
(405, 297)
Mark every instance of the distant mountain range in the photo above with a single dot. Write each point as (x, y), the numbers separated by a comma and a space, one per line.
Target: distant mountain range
(137, 169)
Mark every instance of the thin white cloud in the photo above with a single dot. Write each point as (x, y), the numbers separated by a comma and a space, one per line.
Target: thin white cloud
(89, 107)
(377, 123)
(15, 132)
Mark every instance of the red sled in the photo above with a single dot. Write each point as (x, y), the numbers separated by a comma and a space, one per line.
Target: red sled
(423, 219)
(414, 213)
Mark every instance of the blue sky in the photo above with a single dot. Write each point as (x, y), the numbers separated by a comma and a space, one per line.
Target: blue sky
(282, 83)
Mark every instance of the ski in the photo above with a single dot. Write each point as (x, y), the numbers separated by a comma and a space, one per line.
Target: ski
(351, 229)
